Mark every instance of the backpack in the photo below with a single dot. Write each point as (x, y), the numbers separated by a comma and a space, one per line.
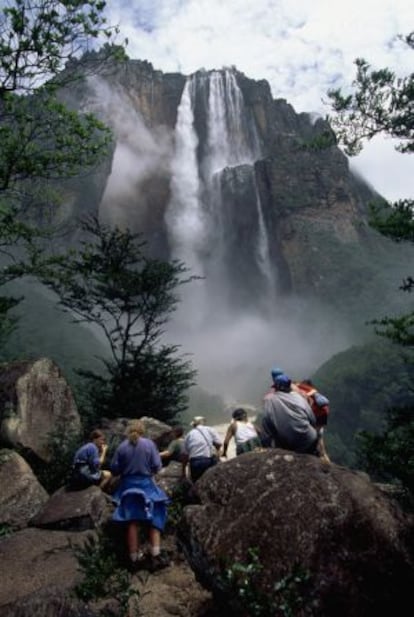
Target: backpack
(318, 402)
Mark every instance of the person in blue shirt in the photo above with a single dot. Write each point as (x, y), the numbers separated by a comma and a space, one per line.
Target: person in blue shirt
(87, 462)
(138, 499)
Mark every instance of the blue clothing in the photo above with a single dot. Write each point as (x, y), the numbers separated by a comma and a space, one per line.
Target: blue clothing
(88, 454)
(140, 499)
(86, 467)
(200, 464)
(137, 497)
(140, 459)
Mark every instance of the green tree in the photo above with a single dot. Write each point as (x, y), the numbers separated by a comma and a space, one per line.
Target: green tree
(41, 139)
(382, 103)
(111, 284)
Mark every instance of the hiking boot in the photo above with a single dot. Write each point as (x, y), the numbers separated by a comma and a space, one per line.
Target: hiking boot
(140, 563)
(159, 562)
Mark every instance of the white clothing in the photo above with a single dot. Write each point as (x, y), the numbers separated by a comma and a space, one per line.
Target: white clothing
(244, 431)
(200, 441)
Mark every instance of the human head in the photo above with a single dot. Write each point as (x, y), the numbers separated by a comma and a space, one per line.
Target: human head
(239, 414)
(178, 431)
(97, 437)
(275, 372)
(135, 430)
(282, 383)
(197, 420)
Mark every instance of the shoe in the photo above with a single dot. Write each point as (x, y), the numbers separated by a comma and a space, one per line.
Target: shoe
(139, 564)
(159, 562)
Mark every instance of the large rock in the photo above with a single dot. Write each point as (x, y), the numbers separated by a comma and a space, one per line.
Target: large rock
(115, 429)
(34, 561)
(35, 400)
(74, 510)
(21, 495)
(48, 602)
(295, 511)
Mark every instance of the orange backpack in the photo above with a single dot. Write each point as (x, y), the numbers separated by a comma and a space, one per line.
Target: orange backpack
(318, 402)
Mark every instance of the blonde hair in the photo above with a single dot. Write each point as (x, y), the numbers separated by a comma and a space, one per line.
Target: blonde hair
(135, 430)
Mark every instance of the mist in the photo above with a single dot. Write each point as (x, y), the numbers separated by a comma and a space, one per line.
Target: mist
(141, 154)
(234, 352)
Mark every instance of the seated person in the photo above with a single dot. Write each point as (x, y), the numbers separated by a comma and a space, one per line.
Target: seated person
(87, 462)
(318, 403)
(287, 420)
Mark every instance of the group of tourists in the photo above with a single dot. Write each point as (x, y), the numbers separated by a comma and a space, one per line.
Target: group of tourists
(293, 417)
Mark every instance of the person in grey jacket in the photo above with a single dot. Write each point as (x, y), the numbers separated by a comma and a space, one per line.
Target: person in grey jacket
(287, 420)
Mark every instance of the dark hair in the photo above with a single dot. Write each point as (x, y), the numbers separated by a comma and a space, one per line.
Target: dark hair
(239, 414)
(96, 434)
(178, 431)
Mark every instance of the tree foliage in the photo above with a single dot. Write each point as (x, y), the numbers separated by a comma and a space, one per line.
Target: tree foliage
(38, 38)
(390, 454)
(382, 103)
(41, 139)
(110, 283)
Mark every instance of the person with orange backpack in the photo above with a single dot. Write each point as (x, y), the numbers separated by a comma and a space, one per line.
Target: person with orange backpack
(320, 407)
(318, 403)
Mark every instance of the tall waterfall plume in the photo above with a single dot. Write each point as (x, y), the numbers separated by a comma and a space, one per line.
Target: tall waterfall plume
(213, 185)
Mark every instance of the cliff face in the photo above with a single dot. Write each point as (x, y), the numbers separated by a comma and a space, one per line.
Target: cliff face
(216, 173)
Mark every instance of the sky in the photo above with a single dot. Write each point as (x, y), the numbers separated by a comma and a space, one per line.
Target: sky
(302, 48)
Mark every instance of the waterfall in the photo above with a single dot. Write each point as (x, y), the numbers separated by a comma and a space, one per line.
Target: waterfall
(184, 217)
(263, 252)
(212, 183)
(230, 141)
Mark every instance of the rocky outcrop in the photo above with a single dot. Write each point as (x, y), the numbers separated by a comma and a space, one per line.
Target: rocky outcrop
(351, 541)
(115, 429)
(74, 510)
(35, 560)
(293, 510)
(21, 495)
(35, 401)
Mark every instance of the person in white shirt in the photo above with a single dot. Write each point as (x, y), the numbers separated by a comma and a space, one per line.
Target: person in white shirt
(244, 433)
(199, 445)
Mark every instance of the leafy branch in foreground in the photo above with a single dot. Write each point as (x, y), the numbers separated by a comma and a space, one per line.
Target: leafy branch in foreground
(381, 103)
(103, 577)
(38, 38)
(42, 139)
(291, 596)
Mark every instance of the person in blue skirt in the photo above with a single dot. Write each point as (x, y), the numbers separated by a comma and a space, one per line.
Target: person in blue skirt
(138, 499)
